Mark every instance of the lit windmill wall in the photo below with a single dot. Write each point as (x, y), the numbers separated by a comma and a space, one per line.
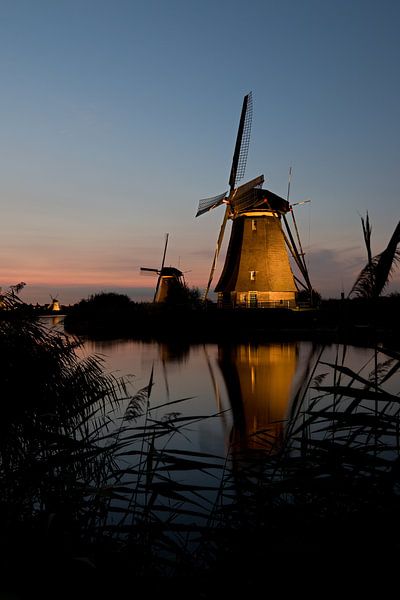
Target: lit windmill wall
(257, 271)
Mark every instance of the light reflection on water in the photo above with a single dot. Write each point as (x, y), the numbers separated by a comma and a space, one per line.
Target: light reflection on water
(251, 386)
(53, 321)
(248, 387)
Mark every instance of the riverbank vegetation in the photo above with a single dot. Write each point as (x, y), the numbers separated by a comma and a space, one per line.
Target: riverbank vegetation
(97, 495)
(356, 320)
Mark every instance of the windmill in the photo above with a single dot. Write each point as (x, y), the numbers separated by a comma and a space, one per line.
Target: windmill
(169, 279)
(54, 306)
(257, 270)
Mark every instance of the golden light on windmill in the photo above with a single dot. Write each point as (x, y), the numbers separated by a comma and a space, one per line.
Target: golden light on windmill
(257, 272)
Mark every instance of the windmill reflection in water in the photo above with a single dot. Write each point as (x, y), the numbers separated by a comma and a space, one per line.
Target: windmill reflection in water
(259, 379)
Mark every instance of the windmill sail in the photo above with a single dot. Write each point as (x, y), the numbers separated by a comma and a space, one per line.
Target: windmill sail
(162, 266)
(238, 167)
(217, 250)
(207, 204)
(246, 192)
(239, 160)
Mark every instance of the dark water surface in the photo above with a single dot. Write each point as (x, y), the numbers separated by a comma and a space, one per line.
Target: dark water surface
(328, 417)
(240, 388)
(244, 388)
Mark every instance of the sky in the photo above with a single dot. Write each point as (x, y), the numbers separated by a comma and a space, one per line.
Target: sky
(117, 116)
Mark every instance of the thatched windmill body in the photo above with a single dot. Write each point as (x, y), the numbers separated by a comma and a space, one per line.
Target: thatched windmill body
(169, 279)
(257, 270)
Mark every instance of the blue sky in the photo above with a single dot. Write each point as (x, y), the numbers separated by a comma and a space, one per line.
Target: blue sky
(117, 116)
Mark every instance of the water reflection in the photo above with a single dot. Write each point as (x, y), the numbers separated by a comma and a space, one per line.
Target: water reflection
(173, 352)
(53, 321)
(250, 385)
(259, 381)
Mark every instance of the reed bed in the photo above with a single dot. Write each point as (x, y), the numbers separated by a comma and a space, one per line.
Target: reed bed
(92, 481)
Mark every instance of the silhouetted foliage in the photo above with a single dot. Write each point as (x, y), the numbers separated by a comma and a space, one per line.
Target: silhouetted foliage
(312, 298)
(81, 487)
(183, 296)
(376, 274)
(54, 454)
(108, 300)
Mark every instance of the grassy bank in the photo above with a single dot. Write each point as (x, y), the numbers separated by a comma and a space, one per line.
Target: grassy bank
(350, 321)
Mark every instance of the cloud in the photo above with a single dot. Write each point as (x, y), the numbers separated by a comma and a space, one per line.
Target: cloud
(333, 270)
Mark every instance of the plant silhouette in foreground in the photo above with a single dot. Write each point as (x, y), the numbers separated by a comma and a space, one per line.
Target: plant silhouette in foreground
(376, 274)
(95, 479)
(84, 468)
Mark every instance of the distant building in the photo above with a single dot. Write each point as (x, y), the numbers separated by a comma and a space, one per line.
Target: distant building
(54, 306)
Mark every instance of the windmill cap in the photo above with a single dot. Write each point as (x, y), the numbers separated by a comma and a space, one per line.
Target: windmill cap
(171, 271)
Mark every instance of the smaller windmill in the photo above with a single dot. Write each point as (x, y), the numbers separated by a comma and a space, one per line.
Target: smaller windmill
(55, 304)
(169, 279)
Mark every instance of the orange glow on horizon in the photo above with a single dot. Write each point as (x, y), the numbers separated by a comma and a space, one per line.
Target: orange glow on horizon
(86, 279)
(61, 275)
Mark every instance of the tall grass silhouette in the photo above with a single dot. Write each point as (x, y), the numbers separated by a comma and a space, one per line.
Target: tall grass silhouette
(92, 479)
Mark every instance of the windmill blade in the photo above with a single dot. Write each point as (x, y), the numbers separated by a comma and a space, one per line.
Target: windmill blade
(165, 251)
(162, 266)
(237, 172)
(245, 193)
(242, 142)
(149, 272)
(207, 204)
(253, 183)
(217, 249)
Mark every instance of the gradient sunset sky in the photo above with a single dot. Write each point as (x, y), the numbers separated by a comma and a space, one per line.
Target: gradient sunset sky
(117, 116)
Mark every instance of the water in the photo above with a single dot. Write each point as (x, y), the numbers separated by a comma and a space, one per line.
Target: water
(238, 389)
(239, 399)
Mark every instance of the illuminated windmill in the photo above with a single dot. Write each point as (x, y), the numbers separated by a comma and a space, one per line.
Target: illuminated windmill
(257, 270)
(55, 305)
(169, 279)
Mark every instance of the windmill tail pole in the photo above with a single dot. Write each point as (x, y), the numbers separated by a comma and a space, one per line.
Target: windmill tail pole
(298, 238)
(297, 256)
(217, 249)
(310, 288)
(292, 247)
